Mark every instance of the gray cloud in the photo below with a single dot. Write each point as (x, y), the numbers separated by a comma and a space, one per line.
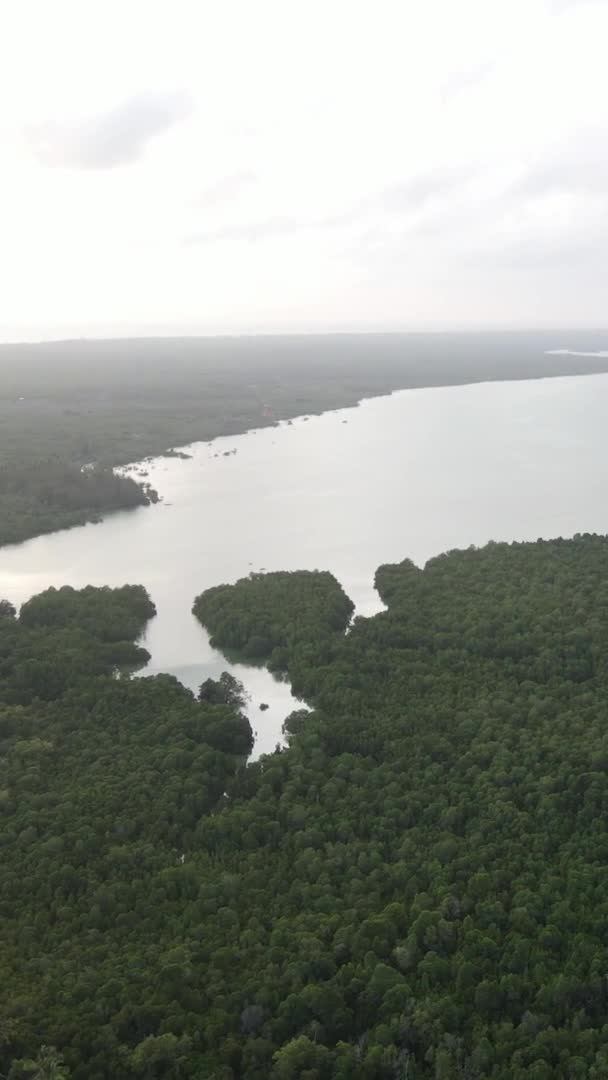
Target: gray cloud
(252, 232)
(109, 139)
(560, 254)
(409, 196)
(271, 227)
(458, 82)
(414, 193)
(228, 187)
(579, 166)
(493, 225)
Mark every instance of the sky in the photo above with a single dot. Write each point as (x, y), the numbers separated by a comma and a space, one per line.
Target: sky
(229, 166)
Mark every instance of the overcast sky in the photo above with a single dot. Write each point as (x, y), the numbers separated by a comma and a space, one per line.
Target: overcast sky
(267, 165)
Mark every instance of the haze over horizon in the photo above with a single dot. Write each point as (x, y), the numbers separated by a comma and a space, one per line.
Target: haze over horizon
(415, 166)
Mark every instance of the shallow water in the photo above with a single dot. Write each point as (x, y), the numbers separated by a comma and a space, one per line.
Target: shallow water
(411, 475)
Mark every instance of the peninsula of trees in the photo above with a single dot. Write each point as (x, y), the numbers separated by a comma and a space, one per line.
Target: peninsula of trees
(48, 494)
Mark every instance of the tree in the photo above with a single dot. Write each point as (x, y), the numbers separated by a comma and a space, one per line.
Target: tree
(160, 1055)
(47, 1065)
(227, 690)
(301, 1055)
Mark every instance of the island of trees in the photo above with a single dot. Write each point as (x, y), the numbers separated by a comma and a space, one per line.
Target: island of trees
(414, 888)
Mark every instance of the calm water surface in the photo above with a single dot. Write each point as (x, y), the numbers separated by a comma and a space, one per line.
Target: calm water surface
(411, 475)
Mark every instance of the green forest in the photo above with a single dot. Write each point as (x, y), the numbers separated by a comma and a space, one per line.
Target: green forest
(414, 888)
(48, 494)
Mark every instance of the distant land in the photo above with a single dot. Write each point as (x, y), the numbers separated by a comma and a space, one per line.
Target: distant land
(118, 401)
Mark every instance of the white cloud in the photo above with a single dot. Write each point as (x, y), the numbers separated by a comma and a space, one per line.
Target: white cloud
(411, 161)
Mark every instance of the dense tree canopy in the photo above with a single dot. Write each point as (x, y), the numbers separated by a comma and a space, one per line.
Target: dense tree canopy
(414, 888)
(103, 781)
(268, 615)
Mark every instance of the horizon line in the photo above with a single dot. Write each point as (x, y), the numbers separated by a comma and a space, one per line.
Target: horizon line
(150, 335)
